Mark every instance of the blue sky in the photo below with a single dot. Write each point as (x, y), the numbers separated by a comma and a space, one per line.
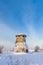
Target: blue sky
(21, 16)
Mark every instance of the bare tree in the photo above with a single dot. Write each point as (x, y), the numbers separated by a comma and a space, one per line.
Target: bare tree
(37, 48)
(1, 47)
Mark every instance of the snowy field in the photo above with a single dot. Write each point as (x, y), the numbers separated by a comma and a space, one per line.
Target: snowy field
(22, 59)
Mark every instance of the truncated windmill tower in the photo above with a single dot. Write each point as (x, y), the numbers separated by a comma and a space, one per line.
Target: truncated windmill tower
(20, 44)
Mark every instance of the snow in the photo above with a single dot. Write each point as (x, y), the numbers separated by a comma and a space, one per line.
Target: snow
(32, 58)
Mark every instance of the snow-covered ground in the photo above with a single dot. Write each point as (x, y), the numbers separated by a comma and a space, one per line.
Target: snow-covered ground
(35, 58)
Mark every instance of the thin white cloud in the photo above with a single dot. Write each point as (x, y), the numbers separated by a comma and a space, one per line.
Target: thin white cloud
(33, 37)
(7, 36)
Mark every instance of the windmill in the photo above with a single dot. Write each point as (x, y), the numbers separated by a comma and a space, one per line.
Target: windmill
(20, 43)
